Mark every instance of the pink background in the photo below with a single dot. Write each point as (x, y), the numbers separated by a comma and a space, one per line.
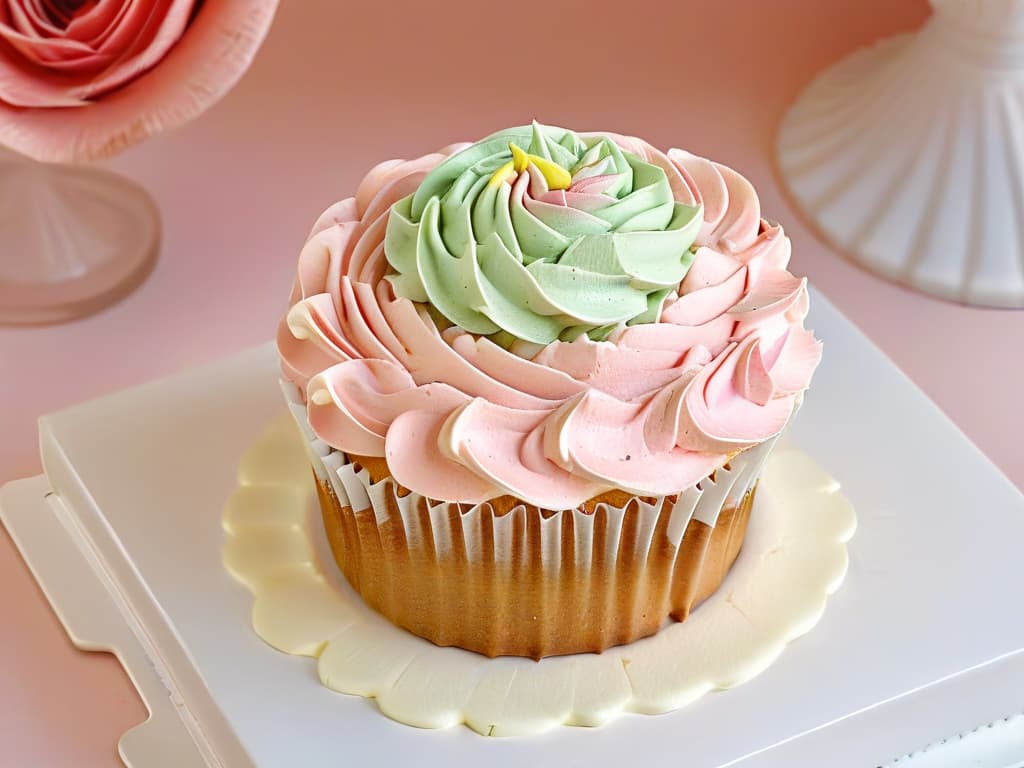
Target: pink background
(339, 86)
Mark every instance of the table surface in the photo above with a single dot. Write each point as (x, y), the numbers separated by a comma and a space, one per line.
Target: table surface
(338, 87)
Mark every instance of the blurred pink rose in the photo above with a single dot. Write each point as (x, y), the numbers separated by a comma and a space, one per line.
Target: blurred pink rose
(82, 79)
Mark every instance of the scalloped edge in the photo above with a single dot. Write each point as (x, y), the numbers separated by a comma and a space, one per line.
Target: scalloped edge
(795, 548)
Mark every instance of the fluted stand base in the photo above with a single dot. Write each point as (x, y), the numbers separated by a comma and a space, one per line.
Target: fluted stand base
(73, 240)
(909, 156)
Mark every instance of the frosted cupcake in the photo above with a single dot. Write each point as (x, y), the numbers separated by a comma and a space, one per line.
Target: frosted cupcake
(539, 375)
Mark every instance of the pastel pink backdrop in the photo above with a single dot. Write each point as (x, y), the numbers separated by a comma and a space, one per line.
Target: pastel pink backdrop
(338, 87)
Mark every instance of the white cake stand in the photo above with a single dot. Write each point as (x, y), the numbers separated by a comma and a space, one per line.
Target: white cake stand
(909, 155)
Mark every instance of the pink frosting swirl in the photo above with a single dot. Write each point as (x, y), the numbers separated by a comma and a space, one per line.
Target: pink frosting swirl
(652, 410)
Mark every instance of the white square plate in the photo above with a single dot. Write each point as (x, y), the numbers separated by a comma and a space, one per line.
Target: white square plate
(925, 637)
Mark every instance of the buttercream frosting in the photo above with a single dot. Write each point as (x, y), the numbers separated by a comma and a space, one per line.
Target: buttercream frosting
(476, 380)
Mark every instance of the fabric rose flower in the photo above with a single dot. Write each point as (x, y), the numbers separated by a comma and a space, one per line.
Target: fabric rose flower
(83, 79)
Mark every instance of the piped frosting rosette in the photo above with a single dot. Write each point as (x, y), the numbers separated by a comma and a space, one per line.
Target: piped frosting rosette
(548, 315)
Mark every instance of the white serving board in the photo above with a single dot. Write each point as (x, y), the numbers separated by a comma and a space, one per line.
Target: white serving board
(924, 639)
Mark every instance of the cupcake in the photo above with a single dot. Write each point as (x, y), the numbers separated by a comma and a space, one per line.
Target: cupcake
(539, 376)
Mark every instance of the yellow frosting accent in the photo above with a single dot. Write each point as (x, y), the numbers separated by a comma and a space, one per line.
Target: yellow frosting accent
(556, 176)
(519, 158)
(507, 172)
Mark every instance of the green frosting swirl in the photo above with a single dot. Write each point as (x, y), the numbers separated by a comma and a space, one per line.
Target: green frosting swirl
(468, 246)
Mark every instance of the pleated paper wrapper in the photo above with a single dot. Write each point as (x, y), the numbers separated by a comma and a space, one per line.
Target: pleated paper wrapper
(530, 582)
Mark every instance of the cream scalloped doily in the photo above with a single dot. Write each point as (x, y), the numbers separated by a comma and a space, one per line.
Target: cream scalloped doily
(794, 556)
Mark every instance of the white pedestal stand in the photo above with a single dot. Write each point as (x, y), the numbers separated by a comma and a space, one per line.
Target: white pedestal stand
(909, 156)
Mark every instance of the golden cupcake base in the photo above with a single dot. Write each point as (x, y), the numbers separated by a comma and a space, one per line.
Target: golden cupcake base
(512, 595)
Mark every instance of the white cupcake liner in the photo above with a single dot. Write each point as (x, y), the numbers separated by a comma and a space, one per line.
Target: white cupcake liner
(724, 489)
